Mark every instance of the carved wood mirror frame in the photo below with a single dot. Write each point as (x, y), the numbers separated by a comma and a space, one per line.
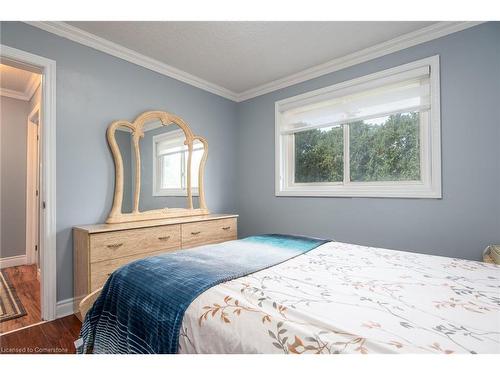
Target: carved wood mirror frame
(137, 128)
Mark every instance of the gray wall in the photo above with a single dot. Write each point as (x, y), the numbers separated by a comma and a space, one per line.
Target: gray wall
(459, 225)
(94, 89)
(13, 122)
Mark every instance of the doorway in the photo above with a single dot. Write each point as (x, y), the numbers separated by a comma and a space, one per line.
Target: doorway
(20, 104)
(27, 260)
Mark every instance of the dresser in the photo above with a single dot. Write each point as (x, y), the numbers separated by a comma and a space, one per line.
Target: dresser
(100, 249)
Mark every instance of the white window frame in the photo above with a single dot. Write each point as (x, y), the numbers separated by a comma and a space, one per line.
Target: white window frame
(429, 186)
(157, 192)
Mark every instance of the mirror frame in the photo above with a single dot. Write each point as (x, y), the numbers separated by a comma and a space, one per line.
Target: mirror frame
(137, 128)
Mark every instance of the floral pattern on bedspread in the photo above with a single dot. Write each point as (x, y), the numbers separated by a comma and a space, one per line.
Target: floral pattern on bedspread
(344, 298)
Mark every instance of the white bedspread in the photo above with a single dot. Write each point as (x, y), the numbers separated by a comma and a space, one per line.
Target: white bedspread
(343, 298)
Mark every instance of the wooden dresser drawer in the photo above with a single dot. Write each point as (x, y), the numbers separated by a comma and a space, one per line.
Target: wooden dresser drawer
(100, 271)
(119, 244)
(101, 249)
(208, 232)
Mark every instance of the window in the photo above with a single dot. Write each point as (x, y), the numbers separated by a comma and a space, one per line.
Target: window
(374, 136)
(170, 157)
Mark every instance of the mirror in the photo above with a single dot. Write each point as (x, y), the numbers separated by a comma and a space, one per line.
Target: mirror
(124, 140)
(164, 157)
(159, 168)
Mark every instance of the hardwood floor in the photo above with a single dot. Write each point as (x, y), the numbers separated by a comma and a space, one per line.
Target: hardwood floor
(27, 286)
(55, 337)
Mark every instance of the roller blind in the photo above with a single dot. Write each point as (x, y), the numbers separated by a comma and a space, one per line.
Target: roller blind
(175, 145)
(403, 92)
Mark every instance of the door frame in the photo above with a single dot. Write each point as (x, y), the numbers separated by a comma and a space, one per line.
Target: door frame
(47, 143)
(32, 165)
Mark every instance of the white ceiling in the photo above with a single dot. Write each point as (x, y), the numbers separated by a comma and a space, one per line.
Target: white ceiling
(17, 83)
(240, 56)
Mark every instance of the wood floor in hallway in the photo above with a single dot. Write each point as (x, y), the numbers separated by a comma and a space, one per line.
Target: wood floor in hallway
(55, 337)
(25, 282)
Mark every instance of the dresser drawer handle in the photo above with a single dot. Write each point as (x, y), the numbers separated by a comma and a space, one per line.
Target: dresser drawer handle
(164, 238)
(115, 245)
(226, 228)
(195, 233)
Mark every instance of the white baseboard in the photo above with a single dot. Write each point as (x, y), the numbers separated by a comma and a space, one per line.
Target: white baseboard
(64, 308)
(13, 261)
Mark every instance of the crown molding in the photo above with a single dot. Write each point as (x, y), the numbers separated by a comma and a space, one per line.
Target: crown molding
(32, 86)
(20, 95)
(93, 41)
(423, 35)
(28, 92)
(25, 95)
(411, 39)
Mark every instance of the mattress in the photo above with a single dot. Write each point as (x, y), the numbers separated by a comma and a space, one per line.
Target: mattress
(345, 298)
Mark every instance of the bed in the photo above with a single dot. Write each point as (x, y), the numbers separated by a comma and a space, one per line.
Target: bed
(341, 298)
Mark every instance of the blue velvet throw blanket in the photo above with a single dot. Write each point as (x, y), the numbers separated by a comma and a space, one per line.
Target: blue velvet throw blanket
(142, 305)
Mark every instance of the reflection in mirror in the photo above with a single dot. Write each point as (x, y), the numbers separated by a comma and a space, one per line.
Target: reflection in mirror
(164, 158)
(123, 136)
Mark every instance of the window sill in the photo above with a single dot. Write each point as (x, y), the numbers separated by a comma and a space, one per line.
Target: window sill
(363, 191)
(175, 193)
